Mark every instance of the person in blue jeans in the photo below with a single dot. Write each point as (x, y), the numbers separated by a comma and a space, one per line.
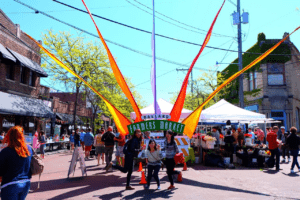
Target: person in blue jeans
(293, 142)
(15, 162)
(154, 156)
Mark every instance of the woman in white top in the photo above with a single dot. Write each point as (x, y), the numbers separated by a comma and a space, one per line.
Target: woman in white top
(153, 159)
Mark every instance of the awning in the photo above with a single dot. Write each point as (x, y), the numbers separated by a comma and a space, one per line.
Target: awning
(11, 104)
(5, 54)
(28, 63)
(69, 118)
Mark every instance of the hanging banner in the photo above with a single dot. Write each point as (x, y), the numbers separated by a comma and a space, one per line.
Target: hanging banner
(156, 125)
(191, 121)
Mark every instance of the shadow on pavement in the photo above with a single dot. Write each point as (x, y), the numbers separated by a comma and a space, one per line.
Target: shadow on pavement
(218, 187)
(291, 174)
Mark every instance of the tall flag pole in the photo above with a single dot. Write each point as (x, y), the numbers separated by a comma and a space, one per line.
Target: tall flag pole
(157, 110)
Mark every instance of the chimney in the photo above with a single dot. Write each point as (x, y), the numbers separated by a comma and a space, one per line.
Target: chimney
(18, 30)
(284, 35)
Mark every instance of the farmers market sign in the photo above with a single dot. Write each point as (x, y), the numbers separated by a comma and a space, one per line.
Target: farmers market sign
(156, 125)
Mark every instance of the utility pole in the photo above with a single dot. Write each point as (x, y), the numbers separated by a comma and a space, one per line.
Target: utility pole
(192, 85)
(241, 77)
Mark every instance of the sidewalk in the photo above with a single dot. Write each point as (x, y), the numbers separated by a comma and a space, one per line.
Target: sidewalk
(199, 182)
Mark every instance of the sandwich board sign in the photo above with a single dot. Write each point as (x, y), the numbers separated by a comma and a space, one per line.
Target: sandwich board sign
(77, 156)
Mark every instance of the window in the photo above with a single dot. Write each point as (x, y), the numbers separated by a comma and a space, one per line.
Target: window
(297, 118)
(31, 78)
(251, 81)
(23, 75)
(255, 80)
(275, 74)
(10, 72)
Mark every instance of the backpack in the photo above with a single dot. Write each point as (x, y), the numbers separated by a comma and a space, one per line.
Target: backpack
(36, 166)
(126, 149)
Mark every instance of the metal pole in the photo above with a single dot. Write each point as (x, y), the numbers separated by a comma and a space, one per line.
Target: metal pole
(154, 63)
(241, 89)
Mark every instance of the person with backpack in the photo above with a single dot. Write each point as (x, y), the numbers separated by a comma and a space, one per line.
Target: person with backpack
(88, 142)
(293, 142)
(99, 145)
(131, 149)
(153, 160)
(171, 151)
(108, 139)
(15, 161)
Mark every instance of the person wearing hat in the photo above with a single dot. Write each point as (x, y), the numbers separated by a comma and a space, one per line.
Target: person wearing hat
(284, 148)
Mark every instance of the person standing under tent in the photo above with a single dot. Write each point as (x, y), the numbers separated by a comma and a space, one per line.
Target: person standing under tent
(88, 142)
(240, 138)
(293, 141)
(235, 136)
(273, 147)
(42, 141)
(215, 133)
(131, 150)
(99, 145)
(171, 150)
(153, 160)
(251, 133)
(260, 134)
(15, 162)
(119, 153)
(82, 134)
(108, 139)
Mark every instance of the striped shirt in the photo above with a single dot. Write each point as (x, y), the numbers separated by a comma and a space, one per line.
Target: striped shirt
(171, 149)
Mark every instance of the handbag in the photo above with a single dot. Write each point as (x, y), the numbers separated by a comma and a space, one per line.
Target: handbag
(36, 166)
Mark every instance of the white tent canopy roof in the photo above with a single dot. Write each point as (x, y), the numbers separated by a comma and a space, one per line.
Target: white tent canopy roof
(223, 110)
(165, 107)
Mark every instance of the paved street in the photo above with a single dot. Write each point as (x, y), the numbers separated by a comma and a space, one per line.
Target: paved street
(199, 182)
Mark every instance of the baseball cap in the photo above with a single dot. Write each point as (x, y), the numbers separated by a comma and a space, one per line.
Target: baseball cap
(282, 127)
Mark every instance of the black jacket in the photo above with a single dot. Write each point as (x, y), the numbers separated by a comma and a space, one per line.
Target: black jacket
(134, 148)
(108, 138)
(293, 141)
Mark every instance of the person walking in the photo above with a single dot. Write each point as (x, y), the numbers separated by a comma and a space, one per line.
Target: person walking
(153, 160)
(284, 148)
(108, 139)
(293, 142)
(273, 147)
(99, 145)
(72, 140)
(131, 150)
(88, 142)
(77, 138)
(171, 151)
(42, 141)
(119, 153)
(15, 162)
(82, 134)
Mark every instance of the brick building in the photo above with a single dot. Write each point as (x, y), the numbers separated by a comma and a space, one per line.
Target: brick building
(272, 87)
(20, 73)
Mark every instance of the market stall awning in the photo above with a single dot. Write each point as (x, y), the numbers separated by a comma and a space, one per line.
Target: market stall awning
(69, 119)
(28, 63)
(223, 111)
(11, 104)
(165, 107)
(5, 54)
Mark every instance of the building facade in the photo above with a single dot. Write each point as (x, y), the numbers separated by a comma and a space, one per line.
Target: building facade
(272, 87)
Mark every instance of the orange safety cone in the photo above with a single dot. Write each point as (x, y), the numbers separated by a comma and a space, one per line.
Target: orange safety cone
(143, 179)
(184, 167)
(179, 178)
(140, 167)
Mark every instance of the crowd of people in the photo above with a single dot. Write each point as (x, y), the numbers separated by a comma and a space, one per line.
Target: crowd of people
(279, 142)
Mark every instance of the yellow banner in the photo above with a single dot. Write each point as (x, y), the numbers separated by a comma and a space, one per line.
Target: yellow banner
(191, 121)
(120, 120)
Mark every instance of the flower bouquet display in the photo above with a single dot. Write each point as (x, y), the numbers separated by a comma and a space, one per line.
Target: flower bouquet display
(250, 151)
(248, 139)
(210, 141)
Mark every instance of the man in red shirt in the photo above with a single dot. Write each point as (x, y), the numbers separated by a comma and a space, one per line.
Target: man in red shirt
(273, 147)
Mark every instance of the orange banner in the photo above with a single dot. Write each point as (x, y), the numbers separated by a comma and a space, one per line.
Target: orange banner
(120, 120)
(177, 108)
(119, 77)
(191, 121)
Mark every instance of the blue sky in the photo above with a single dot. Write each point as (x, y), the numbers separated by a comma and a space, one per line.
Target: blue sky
(271, 17)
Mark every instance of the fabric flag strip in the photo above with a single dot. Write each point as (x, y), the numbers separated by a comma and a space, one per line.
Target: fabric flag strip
(119, 77)
(120, 120)
(192, 120)
(157, 110)
(177, 108)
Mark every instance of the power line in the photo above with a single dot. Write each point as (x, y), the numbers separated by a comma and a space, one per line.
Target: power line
(174, 20)
(163, 36)
(215, 34)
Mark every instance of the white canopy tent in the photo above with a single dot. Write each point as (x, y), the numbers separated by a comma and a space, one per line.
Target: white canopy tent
(223, 111)
(165, 107)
